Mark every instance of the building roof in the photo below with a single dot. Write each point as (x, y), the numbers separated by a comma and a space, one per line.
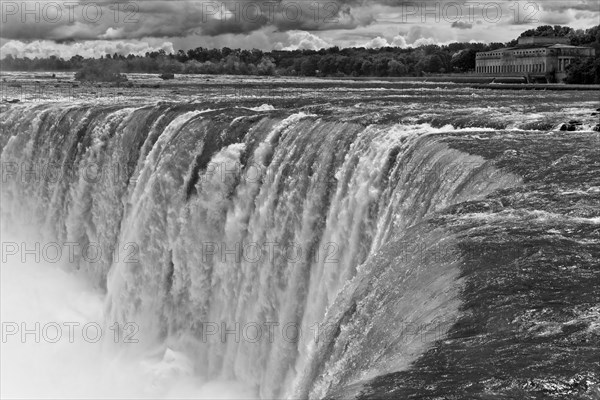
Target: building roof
(535, 46)
(541, 40)
(567, 46)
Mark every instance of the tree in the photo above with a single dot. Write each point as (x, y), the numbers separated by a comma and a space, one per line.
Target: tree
(548, 30)
(266, 66)
(396, 68)
(366, 68)
(181, 56)
(584, 71)
(434, 64)
(381, 67)
(464, 60)
(308, 67)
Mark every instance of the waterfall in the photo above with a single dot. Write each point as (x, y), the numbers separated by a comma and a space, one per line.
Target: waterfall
(234, 236)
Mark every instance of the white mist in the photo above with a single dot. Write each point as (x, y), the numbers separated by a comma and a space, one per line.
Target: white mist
(58, 358)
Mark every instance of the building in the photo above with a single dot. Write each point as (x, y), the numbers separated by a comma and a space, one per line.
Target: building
(535, 58)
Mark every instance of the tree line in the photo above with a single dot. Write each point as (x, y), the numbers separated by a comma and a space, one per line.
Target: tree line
(332, 62)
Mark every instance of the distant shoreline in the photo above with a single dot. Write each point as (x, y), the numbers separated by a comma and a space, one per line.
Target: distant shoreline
(455, 80)
(476, 82)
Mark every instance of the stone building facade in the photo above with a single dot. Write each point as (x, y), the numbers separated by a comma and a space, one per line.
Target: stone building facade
(534, 57)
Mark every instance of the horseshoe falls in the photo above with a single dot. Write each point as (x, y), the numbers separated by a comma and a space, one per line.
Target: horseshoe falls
(257, 252)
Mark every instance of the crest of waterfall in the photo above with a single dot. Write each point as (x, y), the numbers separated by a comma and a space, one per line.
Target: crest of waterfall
(263, 223)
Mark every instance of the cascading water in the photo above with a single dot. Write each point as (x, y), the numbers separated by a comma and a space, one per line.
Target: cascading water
(233, 237)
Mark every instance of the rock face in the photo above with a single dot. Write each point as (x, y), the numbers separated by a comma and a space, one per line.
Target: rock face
(568, 127)
(571, 126)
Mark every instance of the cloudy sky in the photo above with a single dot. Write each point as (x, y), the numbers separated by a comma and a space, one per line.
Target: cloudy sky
(93, 28)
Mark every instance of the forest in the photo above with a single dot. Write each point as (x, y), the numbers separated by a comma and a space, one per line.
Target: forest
(331, 62)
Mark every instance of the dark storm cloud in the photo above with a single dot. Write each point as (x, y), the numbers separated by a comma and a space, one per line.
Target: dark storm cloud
(121, 19)
(462, 25)
(138, 19)
(555, 12)
(577, 5)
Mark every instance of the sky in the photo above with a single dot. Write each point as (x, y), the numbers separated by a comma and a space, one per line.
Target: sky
(40, 28)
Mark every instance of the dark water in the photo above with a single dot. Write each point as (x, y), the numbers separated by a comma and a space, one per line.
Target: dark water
(529, 321)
